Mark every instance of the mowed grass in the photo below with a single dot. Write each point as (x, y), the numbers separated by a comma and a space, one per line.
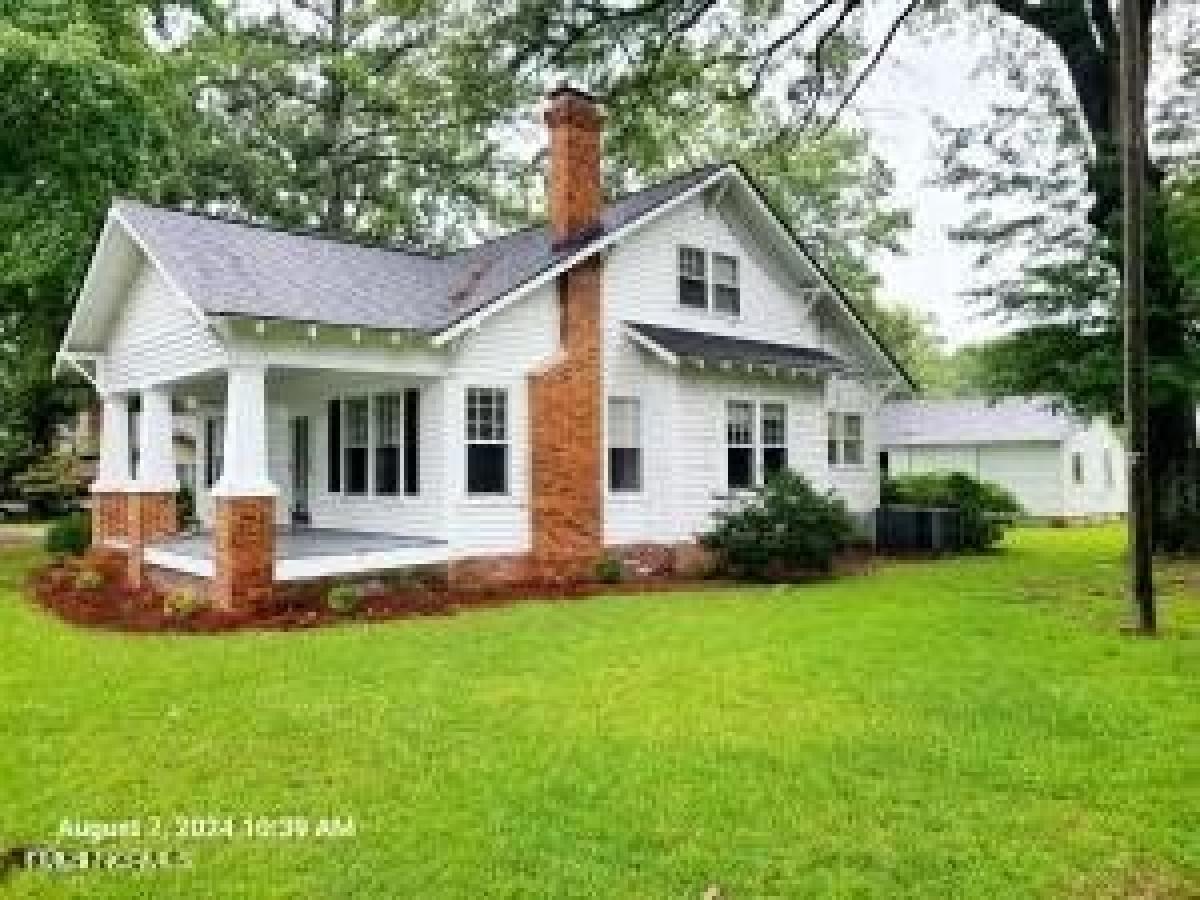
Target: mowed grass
(962, 728)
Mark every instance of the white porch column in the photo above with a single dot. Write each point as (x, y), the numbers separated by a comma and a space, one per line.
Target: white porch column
(156, 450)
(246, 473)
(112, 469)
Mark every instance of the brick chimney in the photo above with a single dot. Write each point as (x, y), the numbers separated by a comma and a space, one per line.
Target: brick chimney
(573, 187)
(566, 396)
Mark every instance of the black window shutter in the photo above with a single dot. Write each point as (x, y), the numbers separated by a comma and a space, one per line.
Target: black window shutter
(335, 446)
(210, 468)
(412, 441)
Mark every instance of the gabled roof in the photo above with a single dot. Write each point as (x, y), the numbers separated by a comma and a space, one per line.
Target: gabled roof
(683, 344)
(239, 269)
(974, 420)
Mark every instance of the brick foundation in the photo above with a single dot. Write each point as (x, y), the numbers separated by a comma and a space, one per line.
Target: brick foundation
(244, 552)
(110, 517)
(150, 516)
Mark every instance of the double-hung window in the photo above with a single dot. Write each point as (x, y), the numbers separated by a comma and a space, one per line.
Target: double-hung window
(693, 278)
(389, 437)
(709, 281)
(845, 439)
(774, 439)
(739, 439)
(624, 444)
(358, 444)
(726, 295)
(487, 440)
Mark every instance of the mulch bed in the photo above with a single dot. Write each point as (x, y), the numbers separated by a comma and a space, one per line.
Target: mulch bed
(93, 592)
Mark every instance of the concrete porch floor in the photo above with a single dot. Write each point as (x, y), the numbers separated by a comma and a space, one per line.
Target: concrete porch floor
(302, 552)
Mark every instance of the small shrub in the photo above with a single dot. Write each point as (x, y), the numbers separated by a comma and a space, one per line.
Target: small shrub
(70, 536)
(87, 580)
(343, 599)
(182, 603)
(788, 528)
(610, 569)
(982, 505)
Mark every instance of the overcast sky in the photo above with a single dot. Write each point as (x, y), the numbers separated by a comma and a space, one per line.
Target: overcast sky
(917, 79)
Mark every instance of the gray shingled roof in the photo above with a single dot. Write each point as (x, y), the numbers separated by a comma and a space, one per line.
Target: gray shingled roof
(973, 421)
(230, 268)
(715, 348)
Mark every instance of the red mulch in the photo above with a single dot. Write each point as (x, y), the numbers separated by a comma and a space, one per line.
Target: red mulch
(114, 605)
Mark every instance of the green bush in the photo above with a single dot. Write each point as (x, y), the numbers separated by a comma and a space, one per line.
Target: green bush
(70, 535)
(610, 569)
(88, 580)
(984, 507)
(789, 528)
(343, 599)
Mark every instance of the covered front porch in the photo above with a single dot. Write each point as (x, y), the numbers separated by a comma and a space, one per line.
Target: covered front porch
(303, 553)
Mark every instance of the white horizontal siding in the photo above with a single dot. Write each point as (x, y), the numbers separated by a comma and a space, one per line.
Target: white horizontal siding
(1102, 491)
(501, 353)
(156, 336)
(857, 485)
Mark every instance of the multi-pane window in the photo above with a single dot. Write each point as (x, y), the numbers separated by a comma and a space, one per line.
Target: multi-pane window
(693, 278)
(845, 439)
(774, 439)
(727, 297)
(214, 449)
(487, 440)
(389, 438)
(358, 444)
(624, 444)
(700, 273)
(739, 439)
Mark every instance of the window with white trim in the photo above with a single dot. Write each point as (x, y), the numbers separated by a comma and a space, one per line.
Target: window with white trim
(1109, 475)
(389, 442)
(726, 295)
(845, 439)
(774, 439)
(624, 444)
(739, 439)
(709, 281)
(1077, 468)
(358, 444)
(487, 440)
(693, 278)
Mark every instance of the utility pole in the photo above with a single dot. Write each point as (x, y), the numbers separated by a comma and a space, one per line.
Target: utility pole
(1133, 177)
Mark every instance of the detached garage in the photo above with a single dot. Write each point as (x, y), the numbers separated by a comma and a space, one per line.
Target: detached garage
(1057, 464)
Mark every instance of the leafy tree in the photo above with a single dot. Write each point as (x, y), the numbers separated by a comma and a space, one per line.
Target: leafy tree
(81, 119)
(347, 116)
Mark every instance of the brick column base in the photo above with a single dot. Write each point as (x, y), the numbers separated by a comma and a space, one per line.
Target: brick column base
(244, 552)
(150, 517)
(110, 517)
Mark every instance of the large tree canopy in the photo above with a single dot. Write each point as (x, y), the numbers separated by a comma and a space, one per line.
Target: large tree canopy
(81, 119)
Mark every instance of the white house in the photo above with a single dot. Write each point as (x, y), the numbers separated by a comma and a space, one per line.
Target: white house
(606, 380)
(1057, 464)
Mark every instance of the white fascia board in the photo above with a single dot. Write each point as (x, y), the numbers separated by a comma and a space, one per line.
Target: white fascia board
(790, 240)
(472, 321)
(653, 346)
(85, 290)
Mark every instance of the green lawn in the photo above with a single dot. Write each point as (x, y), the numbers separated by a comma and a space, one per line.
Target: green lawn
(966, 728)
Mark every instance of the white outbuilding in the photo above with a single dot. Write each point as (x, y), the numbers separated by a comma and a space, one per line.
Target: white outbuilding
(1059, 465)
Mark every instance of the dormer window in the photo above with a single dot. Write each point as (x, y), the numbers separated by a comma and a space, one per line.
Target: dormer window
(719, 293)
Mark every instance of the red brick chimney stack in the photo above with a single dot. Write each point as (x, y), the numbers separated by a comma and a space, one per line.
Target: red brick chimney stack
(574, 180)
